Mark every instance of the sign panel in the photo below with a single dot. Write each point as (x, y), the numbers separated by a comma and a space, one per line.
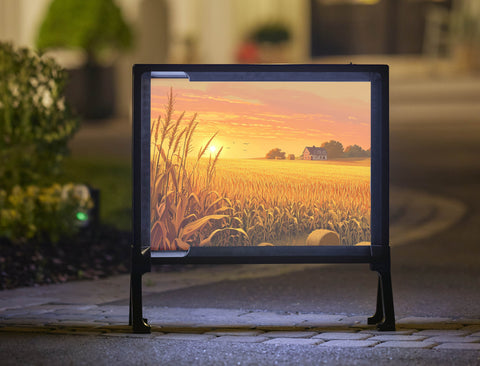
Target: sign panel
(259, 163)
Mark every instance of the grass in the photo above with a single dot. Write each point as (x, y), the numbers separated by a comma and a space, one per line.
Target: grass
(113, 178)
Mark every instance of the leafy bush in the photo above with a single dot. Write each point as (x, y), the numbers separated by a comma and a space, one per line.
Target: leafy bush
(95, 26)
(35, 123)
(275, 33)
(42, 214)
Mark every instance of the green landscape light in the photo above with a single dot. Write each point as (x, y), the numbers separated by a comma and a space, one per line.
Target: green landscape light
(82, 216)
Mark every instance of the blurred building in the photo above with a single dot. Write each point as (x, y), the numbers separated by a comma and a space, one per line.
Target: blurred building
(228, 31)
(373, 27)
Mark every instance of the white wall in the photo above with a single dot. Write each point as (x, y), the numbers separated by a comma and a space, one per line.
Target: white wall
(20, 19)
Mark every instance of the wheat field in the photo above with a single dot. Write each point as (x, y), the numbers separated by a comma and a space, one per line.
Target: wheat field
(282, 201)
(201, 200)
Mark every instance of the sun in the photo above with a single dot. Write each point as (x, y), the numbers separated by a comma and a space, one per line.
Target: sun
(212, 149)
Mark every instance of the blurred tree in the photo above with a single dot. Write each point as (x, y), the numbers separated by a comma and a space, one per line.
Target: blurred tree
(291, 157)
(334, 149)
(355, 151)
(95, 26)
(275, 154)
(98, 28)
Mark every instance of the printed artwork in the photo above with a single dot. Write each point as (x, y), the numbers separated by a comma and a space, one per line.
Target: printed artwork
(259, 164)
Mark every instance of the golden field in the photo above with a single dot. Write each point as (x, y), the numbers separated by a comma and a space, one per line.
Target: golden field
(209, 201)
(253, 201)
(282, 201)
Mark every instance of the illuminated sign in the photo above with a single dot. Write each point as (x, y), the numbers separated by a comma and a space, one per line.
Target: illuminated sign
(261, 164)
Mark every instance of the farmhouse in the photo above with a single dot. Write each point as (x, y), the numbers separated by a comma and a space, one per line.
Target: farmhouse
(314, 153)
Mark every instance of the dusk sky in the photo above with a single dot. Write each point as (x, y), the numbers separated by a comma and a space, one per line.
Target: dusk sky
(254, 117)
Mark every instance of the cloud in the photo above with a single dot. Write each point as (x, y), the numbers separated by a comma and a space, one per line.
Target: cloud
(285, 112)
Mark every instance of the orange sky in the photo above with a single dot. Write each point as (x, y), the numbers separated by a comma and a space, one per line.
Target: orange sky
(254, 117)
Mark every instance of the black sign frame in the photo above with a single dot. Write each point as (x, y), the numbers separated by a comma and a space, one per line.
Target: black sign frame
(377, 254)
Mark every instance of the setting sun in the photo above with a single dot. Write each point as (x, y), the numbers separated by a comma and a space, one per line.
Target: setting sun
(250, 119)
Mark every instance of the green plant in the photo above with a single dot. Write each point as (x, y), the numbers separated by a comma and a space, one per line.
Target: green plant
(42, 214)
(35, 123)
(95, 26)
(273, 32)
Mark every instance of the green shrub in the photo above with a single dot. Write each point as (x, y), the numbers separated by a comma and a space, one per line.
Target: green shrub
(35, 123)
(273, 32)
(95, 26)
(42, 214)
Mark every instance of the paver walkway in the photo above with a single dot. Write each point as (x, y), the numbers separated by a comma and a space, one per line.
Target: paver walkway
(239, 326)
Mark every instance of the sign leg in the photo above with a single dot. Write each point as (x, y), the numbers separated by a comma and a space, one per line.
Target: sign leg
(378, 316)
(387, 300)
(384, 315)
(136, 319)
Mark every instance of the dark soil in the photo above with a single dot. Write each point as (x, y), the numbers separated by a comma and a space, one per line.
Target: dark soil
(93, 253)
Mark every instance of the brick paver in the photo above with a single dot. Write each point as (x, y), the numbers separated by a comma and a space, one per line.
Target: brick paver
(380, 332)
(187, 337)
(407, 344)
(237, 326)
(343, 336)
(443, 332)
(241, 339)
(395, 337)
(349, 343)
(294, 341)
(235, 332)
(131, 335)
(428, 323)
(290, 334)
(465, 346)
(453, 339)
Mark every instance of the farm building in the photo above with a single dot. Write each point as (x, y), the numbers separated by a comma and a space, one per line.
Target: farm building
(314, 153)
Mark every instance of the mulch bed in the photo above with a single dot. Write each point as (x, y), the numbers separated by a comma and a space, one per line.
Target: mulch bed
(91, 254)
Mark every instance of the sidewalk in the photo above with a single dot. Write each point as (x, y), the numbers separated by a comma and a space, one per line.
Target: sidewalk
(240, 326)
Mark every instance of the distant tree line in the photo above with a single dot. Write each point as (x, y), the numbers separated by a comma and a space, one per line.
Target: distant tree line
(354, 151)
(334, 150)
(275, 154)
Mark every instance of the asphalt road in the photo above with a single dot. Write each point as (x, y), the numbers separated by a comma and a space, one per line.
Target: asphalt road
(141, 351)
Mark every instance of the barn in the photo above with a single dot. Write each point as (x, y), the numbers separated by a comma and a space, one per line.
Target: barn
(314, 153)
